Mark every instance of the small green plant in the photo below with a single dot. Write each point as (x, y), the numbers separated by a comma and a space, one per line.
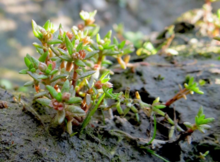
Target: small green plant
(201, 123)
(189, 88)
(71, 72)
(71, 77)
(202, 156)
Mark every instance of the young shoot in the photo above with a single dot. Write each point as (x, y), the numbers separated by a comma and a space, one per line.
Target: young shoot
(201, 123)
(189, 88)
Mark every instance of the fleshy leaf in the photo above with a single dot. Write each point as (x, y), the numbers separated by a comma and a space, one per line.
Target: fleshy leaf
(52, 91)
(75, 110)
(69, 45)
(74, 100)
(66, 86)
(44, 101)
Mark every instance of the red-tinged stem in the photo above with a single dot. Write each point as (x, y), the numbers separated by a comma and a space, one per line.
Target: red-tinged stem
(37, 87)
(99, 62)
(74, 75)
(178, 96)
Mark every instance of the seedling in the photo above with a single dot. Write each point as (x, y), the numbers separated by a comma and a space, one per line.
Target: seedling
(190, 88)
(202, 156)
(201, 124)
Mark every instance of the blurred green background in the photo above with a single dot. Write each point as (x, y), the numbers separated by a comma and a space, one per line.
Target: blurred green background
(16, 36)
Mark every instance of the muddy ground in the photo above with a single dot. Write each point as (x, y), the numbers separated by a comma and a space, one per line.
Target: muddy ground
(27, 135)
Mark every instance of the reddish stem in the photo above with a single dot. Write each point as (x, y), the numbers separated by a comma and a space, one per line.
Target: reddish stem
(74, 75)
(178, 96)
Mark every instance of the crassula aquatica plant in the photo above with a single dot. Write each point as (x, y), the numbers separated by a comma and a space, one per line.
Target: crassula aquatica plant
(66, 76)
(72, 77)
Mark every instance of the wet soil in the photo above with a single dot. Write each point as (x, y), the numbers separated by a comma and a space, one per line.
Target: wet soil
(26, 133)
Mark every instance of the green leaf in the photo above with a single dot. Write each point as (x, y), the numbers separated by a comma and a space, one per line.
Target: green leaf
(54, 41)
(73, 42)
(40, 94)
(156, 100)
(159, 106)
(200, 112)
(55, 51)
(92, 14)
(119, 109)
(34, 76)
(69, 45)
(63, 52)
(110, 52)
(27, 61)
(188, 125)
(47, 25)
(79, 47)
(122, 44)
(50, 67)
(42, 77)
(59, 97)
(66, 86)
(105, 74)
(37, 33)
(74, 100)
(60, 116)
(40, 51)
(35, 62)
(109, 34)
(201, 129)
(66, 58)
(72, 90)
(109, 46)
(98, 38)
(47, 71)
(105, 80)
(24, 71)
(134, 109)
(52, 91)
(36, 45)
(91, 54)
(79, 62)
(206, 121)
(59, 77)
(75, 110)
(44, 101)
(43, 57)
(86, 74)
(108, 62)
(54, 72)
(107, 43)
(115, 40)
(94, 31)
(199, 92)
(69, 127)
(29, 83)
(33, 70)
(88, 99)
(190, 81)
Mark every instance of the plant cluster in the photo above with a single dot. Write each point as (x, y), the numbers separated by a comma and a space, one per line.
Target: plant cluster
(72, 77)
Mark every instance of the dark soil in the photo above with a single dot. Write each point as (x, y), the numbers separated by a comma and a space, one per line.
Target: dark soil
(26, 133)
